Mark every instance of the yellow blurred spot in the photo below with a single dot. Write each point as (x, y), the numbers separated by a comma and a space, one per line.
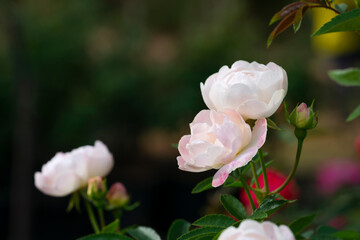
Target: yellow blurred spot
(335, 44)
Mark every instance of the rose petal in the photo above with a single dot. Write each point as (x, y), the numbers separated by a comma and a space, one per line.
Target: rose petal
(205, 90)
(257, 140)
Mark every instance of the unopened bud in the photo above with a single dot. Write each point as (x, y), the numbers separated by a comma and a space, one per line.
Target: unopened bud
(303, 117)
(117, 195)
(96, 188)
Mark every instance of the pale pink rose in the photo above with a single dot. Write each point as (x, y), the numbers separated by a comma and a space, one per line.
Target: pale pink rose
(68, 172)
(221, 141)
(250, 229)
(253, 90)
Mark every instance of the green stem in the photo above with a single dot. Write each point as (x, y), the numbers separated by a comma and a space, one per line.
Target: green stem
(101, 217)
(263, 168)
(357, 3)
(255, 190)
(255, 175)
(246, 188)
(293, 170)
(326, 7)
(92, 217)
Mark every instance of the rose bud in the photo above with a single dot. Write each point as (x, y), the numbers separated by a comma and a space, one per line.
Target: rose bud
(275, 180)
(68, 172)
(220, 140)
(251, 89)
(303, 117)
(96, 188)
(250, 229)
(117, 195)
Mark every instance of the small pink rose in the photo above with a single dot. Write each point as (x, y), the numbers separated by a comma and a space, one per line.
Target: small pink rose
(220, 140)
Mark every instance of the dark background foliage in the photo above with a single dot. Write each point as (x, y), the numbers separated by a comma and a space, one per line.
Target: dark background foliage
(128, 73)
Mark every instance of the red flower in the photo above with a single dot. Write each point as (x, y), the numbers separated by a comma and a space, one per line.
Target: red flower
(275, 179)
(357, 146)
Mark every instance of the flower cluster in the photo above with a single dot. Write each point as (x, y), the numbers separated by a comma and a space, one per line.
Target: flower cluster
(220, 137)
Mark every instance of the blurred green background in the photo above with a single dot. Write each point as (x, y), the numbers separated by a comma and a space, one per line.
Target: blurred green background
(128, 72)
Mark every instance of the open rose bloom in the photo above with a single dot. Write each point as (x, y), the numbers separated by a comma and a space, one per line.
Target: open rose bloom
(253, 90)
(68, 172)
(250, 229)
(220, 140)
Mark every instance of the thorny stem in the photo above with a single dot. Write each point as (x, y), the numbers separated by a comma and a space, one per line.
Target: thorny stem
(101, 217)
(262, 163)
(327, 7)
(246, 188)
(92, 216)
(293, 170)
(254, 174)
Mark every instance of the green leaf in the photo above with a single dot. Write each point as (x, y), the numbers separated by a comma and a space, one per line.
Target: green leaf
(178, 228)
(233, 206)
(308, 234)
(348, 77)
(341, 7)
(200, 232)
(326, 230)
(74, 202)
(357, 3)
(230, 182)
(300, 224)
(144, 233)
(271, 124)
(105, 236)
(286, 22)
(349, 21)
(354, 114)
(207, 237)
(214, 220)
(298, 17)
(270, 205)
(258, 216)
(347, 235)
(132, 206)
(204, 185)
(112, 227)
(323, 237)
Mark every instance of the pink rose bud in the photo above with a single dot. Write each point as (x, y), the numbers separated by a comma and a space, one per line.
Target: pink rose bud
(302, 114)
(302, 117)
(117, 195)
(96, 188)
